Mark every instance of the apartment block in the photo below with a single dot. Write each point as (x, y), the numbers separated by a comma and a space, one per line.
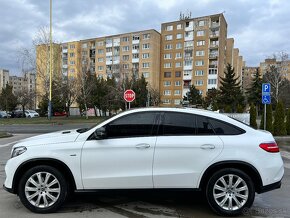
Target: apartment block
(4, 78)
(283, 66)
(248, 75)
(192, 53)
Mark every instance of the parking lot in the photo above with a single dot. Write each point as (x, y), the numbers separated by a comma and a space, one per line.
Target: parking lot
(143, 203)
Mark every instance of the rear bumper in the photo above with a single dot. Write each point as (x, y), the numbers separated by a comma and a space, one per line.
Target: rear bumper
(270, 187)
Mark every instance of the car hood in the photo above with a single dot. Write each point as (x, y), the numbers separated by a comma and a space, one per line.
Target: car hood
(50, 138)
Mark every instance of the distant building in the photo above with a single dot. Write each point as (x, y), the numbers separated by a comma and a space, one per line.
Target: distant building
(4, 78)
(283, 66)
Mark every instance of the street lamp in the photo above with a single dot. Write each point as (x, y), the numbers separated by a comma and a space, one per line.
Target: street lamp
(50, 61)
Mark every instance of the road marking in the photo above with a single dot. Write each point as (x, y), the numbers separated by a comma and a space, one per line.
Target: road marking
(8, 144)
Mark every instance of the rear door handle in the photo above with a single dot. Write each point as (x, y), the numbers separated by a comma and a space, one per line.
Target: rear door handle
(142, 146)
(207, 146)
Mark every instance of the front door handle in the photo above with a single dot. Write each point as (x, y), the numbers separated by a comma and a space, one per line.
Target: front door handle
(207, 146)
(142, 145)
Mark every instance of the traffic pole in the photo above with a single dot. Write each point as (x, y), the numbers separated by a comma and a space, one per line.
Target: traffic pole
(265, 111)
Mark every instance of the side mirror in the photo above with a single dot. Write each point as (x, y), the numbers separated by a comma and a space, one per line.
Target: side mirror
(100, 133)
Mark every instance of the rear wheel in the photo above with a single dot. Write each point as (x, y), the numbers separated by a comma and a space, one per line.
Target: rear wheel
(42, 189)
(230, 191)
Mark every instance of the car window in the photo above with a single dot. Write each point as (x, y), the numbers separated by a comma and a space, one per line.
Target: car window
(133, 125)
(223, 128)
(178, 124)
(203, 127)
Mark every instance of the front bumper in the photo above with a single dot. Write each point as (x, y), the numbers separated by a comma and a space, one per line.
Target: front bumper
(269, 187)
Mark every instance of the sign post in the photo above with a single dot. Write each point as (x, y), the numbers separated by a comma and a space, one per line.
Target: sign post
(129, 96)
(266, 98)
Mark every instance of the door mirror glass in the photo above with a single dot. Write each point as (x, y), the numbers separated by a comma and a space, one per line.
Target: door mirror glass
(100, 133)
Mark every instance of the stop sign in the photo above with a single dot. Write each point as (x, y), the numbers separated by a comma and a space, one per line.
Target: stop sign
(129, 95)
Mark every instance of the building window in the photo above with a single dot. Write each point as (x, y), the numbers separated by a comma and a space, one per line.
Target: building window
(166, 101)
(201, 23)
(169, 28)
(135, 47)
(101, 43)
(109, 49)
(199, 73)
(125, 48)
(145, 55)
(212, 71)
(100, 68)
(200, 43)
(72, 62)
(168, 47)
(167, 74)
(188, 63)
(166, 83)
(146, 74)
(178, 55)
(176, 101)
(125, 66)
(168, 37)
(187, 73)
(135, 56)
(178, 64)
(178, 45)
(135, 37)
(177, 83)
(146, 46)
(200, 33)
(212, 81)
(178, 74)
(167, 56)
(199, 63)
(125, 58)
(145, 65)
(167, 92)
(100, 59)
(167, 65)
(177, 92)
(71, 54)
(146, 36)
(179, 26)
(198, 82)
(179, 36)
(84, 45)
(71, 46)
(125, 39)
(199, 53)
(100, 51)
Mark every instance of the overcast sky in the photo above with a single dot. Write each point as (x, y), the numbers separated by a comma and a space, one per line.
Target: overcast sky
(259, 27)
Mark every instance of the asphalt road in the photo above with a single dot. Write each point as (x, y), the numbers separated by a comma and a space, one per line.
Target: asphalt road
(143, 203)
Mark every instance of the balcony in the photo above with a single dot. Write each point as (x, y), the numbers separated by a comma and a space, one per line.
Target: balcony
(188, 48)
(188, 38)
(108, 45)
(189, 28)
(211, 45)
(109, 54)
(187, 67)
(187, 58)
(109, 62)
(214, 34)
(213, 55)
(211, 86)
(64, 50)
(187, 77)
(135, 41)
(135, 51)
(212, 66)
(116, 44)
(135, 60)
(214, 25)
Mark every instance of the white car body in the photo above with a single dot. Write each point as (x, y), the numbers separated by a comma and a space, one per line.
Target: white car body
(31, 113)
(150, 162)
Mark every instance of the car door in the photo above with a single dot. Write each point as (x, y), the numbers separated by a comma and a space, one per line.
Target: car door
(185, 146)
(123, 159)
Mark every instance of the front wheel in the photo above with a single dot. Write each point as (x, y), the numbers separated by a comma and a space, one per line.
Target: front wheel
(42, 189)
(229, 191)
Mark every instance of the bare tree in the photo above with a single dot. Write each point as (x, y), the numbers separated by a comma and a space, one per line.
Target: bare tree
(25, 97)
(154, 97)
(276, 74)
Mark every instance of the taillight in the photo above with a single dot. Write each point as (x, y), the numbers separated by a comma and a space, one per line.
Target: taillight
(271, 147)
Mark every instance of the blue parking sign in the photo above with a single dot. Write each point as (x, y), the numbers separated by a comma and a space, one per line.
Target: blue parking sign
(266, 88)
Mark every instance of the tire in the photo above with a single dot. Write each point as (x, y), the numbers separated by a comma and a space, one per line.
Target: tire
(219, 193)
(45, 196)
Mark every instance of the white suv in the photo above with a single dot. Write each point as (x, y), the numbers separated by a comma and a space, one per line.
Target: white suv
(151, 148)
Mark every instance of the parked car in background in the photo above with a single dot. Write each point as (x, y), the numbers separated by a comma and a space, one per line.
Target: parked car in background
(3, 114)
(152, 148)
(59, 114)
(17, 114)
(31, 113)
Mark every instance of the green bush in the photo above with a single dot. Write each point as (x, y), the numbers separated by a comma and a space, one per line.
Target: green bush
(269, 119)
(288, 122)
(253, 116)
(279, 120)
(240, 109)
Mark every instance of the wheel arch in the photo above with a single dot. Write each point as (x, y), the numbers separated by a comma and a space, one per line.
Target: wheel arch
(59, 165)
(241, 165)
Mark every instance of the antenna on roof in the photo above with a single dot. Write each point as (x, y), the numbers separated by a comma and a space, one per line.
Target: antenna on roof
(186, 16)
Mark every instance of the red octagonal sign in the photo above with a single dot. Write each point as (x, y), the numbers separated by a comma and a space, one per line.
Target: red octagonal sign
(129, 95)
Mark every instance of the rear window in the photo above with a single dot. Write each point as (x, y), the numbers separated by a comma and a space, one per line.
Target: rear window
(223, 128)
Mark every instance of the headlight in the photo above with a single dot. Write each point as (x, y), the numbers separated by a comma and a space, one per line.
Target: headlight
(17, 151)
